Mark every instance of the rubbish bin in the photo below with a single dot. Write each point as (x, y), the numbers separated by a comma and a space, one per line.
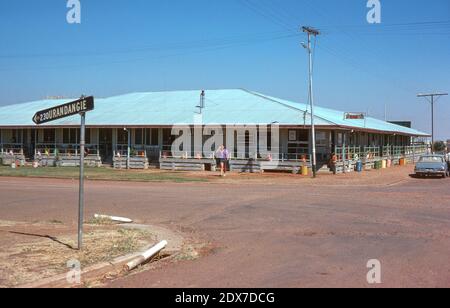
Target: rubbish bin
(378, 165)
(383, 164)
(359, 166)
(305, 170)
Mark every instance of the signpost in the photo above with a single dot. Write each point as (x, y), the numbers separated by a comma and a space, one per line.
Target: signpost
(81, 106)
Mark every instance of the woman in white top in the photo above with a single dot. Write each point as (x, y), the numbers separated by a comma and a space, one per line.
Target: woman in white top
(220, 156)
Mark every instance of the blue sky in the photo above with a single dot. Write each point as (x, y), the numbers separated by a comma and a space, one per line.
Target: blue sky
(144, 45)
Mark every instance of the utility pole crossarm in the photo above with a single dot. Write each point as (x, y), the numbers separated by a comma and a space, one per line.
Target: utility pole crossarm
(434, 94)
(311, 30)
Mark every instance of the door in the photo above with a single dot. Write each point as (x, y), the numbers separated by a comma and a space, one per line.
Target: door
(105, 144)
(30, 143)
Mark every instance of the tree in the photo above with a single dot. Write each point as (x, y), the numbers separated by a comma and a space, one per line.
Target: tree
(439, 146)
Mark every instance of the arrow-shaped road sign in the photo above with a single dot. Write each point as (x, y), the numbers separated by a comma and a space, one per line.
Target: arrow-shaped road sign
(63, 111)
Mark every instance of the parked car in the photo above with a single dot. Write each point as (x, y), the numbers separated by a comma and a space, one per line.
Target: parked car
(432, 165)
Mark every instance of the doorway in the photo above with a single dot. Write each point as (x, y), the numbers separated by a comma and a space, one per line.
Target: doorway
(30, 143)
(105, 144)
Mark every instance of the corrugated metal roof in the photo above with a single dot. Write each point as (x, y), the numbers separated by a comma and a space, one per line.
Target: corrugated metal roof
(234, 106)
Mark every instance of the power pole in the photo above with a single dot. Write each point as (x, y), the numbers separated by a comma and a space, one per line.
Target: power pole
(431, 98)
(312, 32)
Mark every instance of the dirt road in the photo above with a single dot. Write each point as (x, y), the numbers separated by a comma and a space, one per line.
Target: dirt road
(272, 233)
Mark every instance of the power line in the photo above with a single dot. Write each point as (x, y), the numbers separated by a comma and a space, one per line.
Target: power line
(421, 25)
(431, 97)
(349, 57)
(413, 29)
(349, 61)
(267, 15)
(340, 51)
(199, 51)
(281, 12)
(196, 44)
(284, 14)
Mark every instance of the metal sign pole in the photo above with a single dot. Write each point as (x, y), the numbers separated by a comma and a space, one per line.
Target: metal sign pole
(81, 197)
(80, 106)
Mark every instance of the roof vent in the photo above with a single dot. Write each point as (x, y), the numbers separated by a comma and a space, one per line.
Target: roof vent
(201, 106)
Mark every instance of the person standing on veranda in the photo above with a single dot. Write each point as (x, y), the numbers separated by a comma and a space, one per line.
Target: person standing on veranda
(226, 157)
(221, 159)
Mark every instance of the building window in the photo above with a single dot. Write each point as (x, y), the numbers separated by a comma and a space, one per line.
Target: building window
(105, 137)
(322, 139)
(16, 136)
(138, 136)
(299, 135)
(298, 147)
(72, 136)
(66, 135)
(292, 135)
(155, 137)
(148, 136)
(122, 136)
(167, 136)
(152, 136)
(88, 136)
(49, 136)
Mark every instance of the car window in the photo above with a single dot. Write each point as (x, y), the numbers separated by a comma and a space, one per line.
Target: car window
(431, 159)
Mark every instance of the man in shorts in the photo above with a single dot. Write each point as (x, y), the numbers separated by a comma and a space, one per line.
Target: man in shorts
(220, 156)
(226, 157)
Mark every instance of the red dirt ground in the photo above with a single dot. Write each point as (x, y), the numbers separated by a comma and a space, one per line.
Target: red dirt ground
(271, 230)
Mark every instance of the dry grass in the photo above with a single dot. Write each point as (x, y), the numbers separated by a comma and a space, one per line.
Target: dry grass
(188, 253)
(102, 221)
(102, 174)
(28, 262)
